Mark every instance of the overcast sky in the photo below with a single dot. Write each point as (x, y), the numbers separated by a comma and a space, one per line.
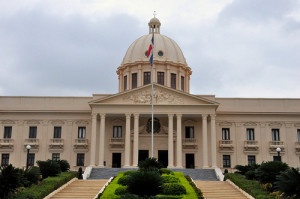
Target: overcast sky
(236, 48)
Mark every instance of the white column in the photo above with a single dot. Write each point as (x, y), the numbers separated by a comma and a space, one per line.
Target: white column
(204, 141)
(93, 140)
(136, 140)
(127, 141)
(179, 142)
(170, 142)
(102, 140)
(213, 141)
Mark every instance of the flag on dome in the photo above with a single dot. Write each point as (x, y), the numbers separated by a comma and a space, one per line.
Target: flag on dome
(150, 50)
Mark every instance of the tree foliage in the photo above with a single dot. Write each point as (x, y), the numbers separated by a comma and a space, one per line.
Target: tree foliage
(288, 182)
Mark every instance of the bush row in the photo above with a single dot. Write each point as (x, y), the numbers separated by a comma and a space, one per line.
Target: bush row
(196, 189)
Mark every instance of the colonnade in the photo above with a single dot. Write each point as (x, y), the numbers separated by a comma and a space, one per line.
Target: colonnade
(136, 116)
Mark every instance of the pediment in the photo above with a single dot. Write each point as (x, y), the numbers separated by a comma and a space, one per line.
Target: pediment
(162, 96)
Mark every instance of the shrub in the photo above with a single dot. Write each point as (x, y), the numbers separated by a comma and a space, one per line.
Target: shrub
(30, 176)
(121, 190)
(242, 169)
(170, 179)
(250, 175)
(49, 168)
(196, 189)
(144, 183)
(268, 171)
(173, 189)
(288, 182)
(10, 180)
(64, 165)
(123, 180)
(149, 163)
(128, 172)
(167, 171)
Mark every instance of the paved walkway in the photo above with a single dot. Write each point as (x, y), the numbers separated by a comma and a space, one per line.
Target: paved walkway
(196, 174)
(219, 190)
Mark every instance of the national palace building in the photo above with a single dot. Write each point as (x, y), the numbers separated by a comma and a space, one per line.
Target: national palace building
(190, 130)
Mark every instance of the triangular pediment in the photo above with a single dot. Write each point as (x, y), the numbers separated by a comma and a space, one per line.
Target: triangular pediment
(162, 96)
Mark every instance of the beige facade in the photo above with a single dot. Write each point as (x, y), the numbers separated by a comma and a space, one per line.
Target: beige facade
(199, 131)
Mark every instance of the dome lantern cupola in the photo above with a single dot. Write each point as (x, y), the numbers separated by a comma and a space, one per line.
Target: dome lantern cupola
(154, 25)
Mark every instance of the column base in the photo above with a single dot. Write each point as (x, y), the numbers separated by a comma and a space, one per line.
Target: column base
(101, 166)
(171, 167)
(179, 167)
(206, 167)
(129, 167)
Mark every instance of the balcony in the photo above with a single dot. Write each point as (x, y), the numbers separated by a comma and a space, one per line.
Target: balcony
(251, 146)
(33, 142)
(56, 144)
(117, 142)
(189, 143)
(81, 145)
(226, 145)
(274, 145)
(297, 147)
(6, 144)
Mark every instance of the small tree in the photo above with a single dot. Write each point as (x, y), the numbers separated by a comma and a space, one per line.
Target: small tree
(10, 179)
(49, 168)
(149, 163)
(64, 165)
(288, 182)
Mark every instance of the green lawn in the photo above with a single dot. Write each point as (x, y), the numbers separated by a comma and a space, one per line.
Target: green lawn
(109, 192)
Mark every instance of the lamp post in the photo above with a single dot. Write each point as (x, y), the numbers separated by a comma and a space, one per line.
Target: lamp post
(278, 152)
(28, 147)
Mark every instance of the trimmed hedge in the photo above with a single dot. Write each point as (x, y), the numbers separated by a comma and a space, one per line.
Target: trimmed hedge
(126, 173)
(121, 190)
(169, 179)
(250, 186)
(196, 189)
(173, 189)
(46, 186)
(167, 171)
(123, 180)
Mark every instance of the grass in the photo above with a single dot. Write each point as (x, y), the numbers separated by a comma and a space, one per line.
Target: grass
(252, 187)
(109, 192)
(46, 186)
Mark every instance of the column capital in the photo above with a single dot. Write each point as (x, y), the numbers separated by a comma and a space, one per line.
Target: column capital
(204, 116)
(212, 116)
(128, 115)
(136, 115)
(94, 115)
(102, 115)
(170, 115)
(178, 115)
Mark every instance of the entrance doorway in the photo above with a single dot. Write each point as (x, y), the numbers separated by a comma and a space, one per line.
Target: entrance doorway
(163, 157)
(116, 160)
(143, 154)
(189, 160)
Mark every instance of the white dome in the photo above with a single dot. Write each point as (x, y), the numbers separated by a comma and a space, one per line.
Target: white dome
(171, 52)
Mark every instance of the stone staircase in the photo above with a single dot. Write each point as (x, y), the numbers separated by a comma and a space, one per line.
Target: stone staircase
(80, 189)
(219, 189)
(196, 174)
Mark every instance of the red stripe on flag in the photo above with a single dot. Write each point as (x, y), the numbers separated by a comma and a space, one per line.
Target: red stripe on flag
(149, 51)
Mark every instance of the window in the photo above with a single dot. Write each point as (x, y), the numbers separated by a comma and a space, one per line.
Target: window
(251, 159)
(125, 83)
(5, 159)
(226, 161)
(225, 134)
(275, 135)
(117, 132)
(160, 53)
(189, 132)
(56, 156)
(7, 131)
(32, 131)
(147, 76)
(57, 132)
(161, 78)
(80, 159)
(182, 83)
(298, 132)
(81, 132)
(134, 80)
(31, 157)
(277, 158)
(173, 80)
(250, 134)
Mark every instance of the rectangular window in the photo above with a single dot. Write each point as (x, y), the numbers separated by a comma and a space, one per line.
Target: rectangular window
(57, 132)
(7, 131)
(31, 157)
(81, 132)
(275, 135)
(298, 132)
(32, 131)
(5, 159)
(117, 132)
(277, 158)
(147, 78)
(125, 83)
(225, 134)
(251, 159)
(56, 156)
(161, 78)
(80, 159)
(182, 83)
(134, 80)
(173, 80)
(250, 134)
(189, 132)
(226, 161)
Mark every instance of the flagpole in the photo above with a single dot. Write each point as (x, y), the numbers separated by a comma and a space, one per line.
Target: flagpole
(152, 78)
